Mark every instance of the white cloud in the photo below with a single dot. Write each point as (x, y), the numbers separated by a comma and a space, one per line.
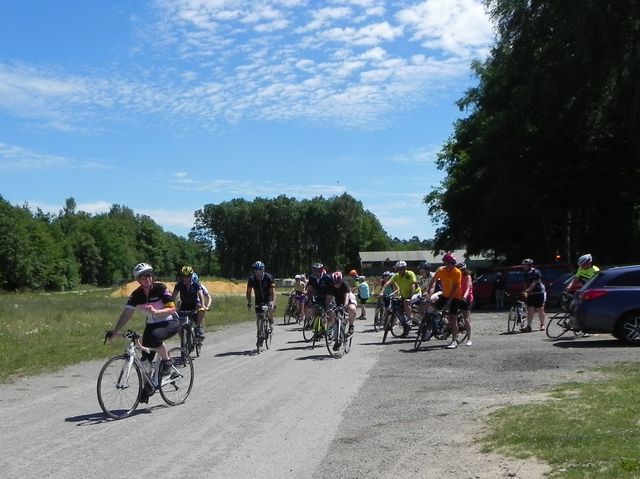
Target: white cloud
(15, 158)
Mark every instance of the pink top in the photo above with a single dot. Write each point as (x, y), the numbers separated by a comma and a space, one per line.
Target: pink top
(467, 288)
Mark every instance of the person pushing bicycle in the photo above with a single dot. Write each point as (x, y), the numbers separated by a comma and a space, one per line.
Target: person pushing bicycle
(450, 278)
(154, 300)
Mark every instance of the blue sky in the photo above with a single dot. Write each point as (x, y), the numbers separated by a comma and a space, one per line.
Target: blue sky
(167, 105)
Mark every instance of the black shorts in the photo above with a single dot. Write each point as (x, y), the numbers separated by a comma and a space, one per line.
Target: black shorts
(362, 300)
(466, 305)
(536, 300)
(155, 333)
(454, 308)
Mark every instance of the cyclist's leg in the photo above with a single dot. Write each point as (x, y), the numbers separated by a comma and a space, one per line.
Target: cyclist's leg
(200, 322)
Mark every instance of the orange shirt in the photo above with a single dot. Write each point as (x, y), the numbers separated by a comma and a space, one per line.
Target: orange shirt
(450, 279)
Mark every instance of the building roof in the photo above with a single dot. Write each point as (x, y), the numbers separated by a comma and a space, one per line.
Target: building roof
(428, 256)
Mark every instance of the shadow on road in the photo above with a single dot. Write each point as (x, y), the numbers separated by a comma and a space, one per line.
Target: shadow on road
(96, 418)
(246, 352)
(589, 343)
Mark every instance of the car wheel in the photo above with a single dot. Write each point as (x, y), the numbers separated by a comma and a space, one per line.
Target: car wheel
(628, 328)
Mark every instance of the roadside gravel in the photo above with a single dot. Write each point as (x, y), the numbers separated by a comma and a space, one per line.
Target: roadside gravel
(383, 411)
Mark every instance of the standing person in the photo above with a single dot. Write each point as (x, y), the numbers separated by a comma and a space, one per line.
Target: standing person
(156, 303)
(192, 297)
(498, 289)
(264, 290)
(362, 289)
(535, 294)
(450, 278)
(466, 285)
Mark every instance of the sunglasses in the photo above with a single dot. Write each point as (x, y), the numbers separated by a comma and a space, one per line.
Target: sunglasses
(147, 275)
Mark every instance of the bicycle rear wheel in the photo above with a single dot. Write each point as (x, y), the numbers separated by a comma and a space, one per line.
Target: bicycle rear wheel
(378, 321)
(513, 319)
(399, 330)
(307, 329)
(424, 332)
(119, 386)
(388, 323)
(198, 346)
(336, 340)
(267, 333)
(176, 387)
(557, 325)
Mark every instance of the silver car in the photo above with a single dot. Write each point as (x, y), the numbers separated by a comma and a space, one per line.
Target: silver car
(610, 303)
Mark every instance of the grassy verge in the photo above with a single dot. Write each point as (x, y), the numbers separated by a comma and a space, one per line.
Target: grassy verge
(586, 430)
(42, 332)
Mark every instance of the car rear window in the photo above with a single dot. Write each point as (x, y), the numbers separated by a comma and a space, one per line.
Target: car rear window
(631, 278)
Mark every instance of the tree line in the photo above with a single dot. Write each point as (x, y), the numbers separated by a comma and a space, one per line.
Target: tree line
(289, 235)
(58, 252)
(547, 160)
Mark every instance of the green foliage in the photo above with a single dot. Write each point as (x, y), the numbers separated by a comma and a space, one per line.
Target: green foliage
(583, 430)
(547, 158)
(289, 235)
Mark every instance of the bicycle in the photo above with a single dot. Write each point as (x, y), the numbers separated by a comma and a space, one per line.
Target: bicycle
(292, 310)
(559, 324)
(122, 379)
(188, 339)
(379, 314)
(517, 316)
(315, 327)
(337, 335)
(430, 325)
(395, 320)
(265, 330)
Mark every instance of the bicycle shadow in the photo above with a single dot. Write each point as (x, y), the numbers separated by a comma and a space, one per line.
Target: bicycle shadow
(315, 357)
(592, 342)
(294, 348)
(93, 419)
(246, 352)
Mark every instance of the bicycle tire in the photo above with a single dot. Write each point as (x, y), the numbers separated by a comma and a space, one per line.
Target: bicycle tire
(175, 390)
(347, 343)
(557, 326)
(198, 346)
(266, 334)
(286, 317)
(399, 330)
(377, 319)
(424, 332)
(338, 334)
(119, 400)
(318, 329)
(512, 319)
(307, 329)
(388, 321)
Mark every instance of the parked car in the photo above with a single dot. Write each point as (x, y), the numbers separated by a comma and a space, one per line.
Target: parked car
(610, 303)
(514, 276)
(556, 287)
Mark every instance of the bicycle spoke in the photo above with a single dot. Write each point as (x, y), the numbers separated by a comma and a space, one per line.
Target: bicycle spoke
(119, 386)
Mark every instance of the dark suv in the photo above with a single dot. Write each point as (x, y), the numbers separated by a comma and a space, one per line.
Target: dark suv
(514, 277)
(610, 303)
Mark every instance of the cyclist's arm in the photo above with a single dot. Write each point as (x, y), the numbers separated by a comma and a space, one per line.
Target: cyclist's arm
(122, 320)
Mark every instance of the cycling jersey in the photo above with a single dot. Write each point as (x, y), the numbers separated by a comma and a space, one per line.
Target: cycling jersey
(585, 275)
(405, 283)
(159, 297)
(534, 276)
(261, 287)
(189, 299)
(321, 286)
(449, 280)
(340, 292)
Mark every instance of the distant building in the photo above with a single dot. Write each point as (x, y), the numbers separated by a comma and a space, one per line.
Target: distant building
(374, 263)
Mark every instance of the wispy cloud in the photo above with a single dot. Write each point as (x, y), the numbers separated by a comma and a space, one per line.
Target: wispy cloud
(353, 63)
(15, 158)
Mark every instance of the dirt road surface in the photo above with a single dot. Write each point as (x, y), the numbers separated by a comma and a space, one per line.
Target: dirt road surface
(383, 411)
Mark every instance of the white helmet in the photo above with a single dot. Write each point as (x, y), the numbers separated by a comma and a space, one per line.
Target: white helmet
(401, 264)
(297, 276)
(585, 258)
(140, 269)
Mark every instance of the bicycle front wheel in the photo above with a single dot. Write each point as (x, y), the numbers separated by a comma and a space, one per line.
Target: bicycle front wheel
(512, 319)
(176, 387)
(197, 346)
(377, 319)
(119, 387)
(424, 330)
(336, 341)
(307, 329)
(557, 325)
(267, 333)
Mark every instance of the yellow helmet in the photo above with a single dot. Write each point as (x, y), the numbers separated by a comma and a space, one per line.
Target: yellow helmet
(186, 271)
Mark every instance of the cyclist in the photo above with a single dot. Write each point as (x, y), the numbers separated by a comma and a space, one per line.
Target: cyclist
(386, 292)
(407, 284)
(264, 289)
(156, 303)
(361, 289)
(298, 293)
(450, 279)
(466, 285)
(535, 294)
(343, 296)
(424, 279)
(586, 271)
(192, 297)
(318, 289)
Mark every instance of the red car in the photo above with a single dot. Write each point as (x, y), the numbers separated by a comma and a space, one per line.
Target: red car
(514, 276)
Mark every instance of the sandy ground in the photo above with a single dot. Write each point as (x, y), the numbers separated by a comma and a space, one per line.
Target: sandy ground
(214, 287)
(383, 411)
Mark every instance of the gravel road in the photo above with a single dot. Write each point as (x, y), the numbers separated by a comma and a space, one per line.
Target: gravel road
(383, 411)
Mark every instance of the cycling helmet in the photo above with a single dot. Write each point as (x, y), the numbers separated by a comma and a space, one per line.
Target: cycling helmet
(353, 273)
(528, 261)
(297, 276)
(317, 266)
(336, 277)
(140, 269)
(461, 265)
(258, 266)
(386, 274)
(584, 259)
(426, 266)
(401, 264)
(448, 258)
(186, 271)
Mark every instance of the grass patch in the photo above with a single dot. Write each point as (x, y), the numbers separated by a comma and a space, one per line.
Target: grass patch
(586, 430)
(42, 332)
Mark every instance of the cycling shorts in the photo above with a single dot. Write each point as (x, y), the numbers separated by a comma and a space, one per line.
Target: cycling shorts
(454, 307)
